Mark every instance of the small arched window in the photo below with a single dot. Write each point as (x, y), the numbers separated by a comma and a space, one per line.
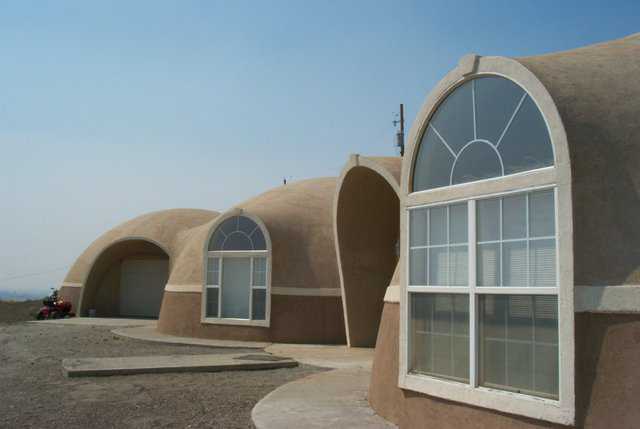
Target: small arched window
(237, 277)
(487, 127)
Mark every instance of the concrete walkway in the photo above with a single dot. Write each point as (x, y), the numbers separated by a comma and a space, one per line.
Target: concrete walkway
(338, 357)
(149, 333)
(333, 399)
(98, 321)
(92, 367)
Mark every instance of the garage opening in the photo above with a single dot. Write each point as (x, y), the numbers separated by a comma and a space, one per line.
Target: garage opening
(127, 280)
(367, 226)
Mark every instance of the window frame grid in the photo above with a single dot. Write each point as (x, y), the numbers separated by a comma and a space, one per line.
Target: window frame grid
(251, 254)
(474, 292)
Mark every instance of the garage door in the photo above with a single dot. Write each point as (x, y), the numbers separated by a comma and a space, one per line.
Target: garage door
(142, 283)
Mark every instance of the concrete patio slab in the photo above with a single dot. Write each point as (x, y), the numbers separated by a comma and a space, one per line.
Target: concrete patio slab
(333, 399)
(325, 356)
(149, 333)
(92, 367)
(99, 321)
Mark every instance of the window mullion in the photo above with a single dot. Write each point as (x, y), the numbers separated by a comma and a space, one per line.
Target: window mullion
(250, 288)
(220, 268)
(471, 239)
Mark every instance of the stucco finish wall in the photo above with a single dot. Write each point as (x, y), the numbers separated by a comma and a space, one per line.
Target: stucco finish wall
(367, 231)
(596, 92)
(294, 319)
(608, 357)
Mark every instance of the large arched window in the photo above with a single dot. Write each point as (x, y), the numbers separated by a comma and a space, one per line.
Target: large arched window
(237, 273)
(487, 127)
(482, 286)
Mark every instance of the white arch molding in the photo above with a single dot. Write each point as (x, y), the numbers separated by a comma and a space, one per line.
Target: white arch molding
(558, 176)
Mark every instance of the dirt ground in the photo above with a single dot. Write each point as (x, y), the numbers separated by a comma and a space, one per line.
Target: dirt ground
(34, 393)
(16, 311)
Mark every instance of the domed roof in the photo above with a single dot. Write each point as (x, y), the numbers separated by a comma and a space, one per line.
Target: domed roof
(298, 218)
(597, 94)
(169, 229)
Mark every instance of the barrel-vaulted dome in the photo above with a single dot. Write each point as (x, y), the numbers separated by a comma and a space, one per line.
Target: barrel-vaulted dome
(163, 235)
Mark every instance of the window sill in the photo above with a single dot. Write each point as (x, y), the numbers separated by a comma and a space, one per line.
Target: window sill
(235, 322)
(503, 401)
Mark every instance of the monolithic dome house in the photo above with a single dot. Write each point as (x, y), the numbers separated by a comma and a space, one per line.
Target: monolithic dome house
(496, 267)
(265, 270)
(519, 248)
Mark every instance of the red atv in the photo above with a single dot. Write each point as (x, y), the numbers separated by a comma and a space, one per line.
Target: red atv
(55, 308)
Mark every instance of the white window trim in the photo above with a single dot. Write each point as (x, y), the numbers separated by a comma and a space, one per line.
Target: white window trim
(558, 411)
(223, 254)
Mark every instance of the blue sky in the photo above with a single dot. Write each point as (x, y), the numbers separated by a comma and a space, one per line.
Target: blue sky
(112, 109)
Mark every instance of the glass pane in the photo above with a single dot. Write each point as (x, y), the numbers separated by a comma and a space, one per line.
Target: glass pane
(438, 266)
(513, 354)
(459, 263)
(546, 319)
(542, 263)
(236, 287)
(520, 317)
(421, 316)
(257, 238)
(496, 100)
(217, 240)
(213, 266)
(438, 225)
(418, 267)
(439, 337)
(418, 227)
(229, 225)
(526, 145)
(258, 304)
(488, 264)
(488, 224)
(510, 135)
(212, 302)
(477, 161)
(514, 264)
(246, 225)
(433, 163)
(514, 217)
(541, 214)
(238, 241)
(259, 271)
(454, 117)
(458, 224)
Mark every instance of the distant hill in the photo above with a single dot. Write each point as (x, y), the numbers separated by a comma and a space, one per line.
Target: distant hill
(11, 295)
(15, 312)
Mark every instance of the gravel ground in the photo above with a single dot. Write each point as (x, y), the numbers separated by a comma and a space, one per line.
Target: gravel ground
(34, 393)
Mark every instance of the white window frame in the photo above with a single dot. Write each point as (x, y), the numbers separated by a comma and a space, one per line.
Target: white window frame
(559, 175)
(226, 254)
(472, 392)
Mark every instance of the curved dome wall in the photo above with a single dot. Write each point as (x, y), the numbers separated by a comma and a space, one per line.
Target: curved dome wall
(366, 222)
(156, 235)
(306, 305)
(591, 101)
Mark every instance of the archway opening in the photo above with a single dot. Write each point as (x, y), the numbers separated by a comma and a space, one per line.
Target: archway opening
(367, 225)
(127, 280)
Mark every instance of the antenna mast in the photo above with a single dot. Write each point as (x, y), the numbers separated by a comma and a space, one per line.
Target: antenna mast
(400, 134)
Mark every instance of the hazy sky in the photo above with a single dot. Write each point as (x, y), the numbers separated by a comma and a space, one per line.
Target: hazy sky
(112, 109)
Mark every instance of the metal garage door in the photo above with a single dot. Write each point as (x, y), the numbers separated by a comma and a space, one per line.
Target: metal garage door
(142, 283)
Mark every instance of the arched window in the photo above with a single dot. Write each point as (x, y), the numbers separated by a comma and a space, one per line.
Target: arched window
(487, 127)
(237, 277)
(483, 276)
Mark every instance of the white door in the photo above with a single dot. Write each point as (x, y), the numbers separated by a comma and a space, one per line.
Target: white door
(142, 283)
